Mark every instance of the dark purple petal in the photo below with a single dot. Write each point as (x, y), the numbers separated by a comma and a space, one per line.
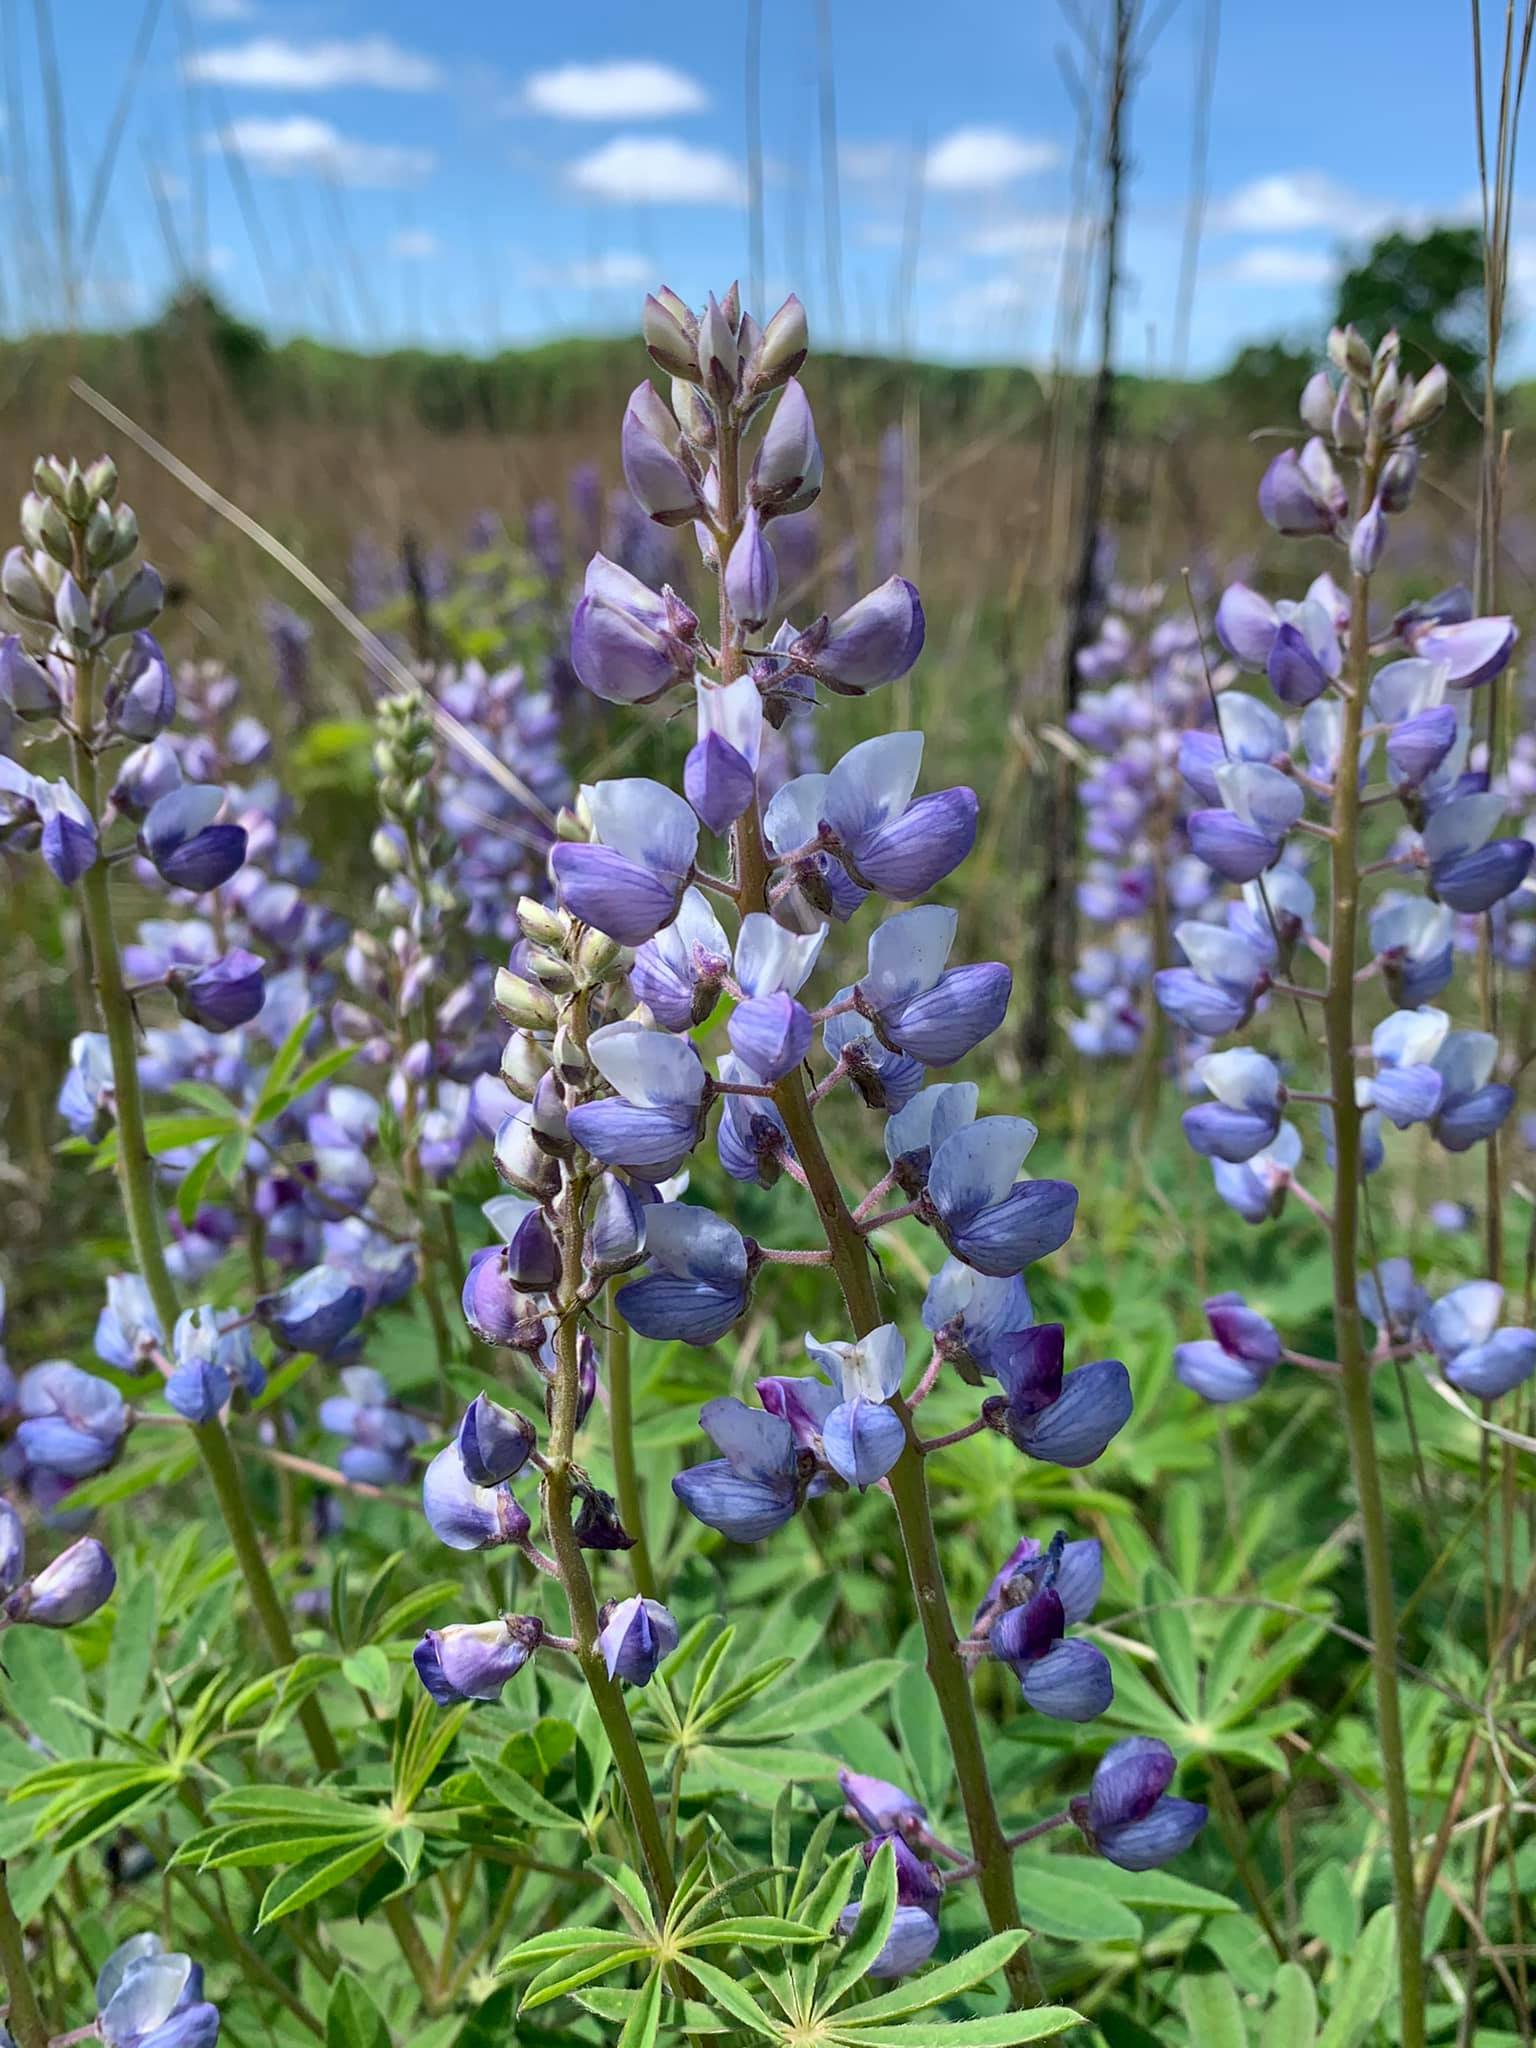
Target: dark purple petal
(1071, 1683)
(718, 781)
(615, 896)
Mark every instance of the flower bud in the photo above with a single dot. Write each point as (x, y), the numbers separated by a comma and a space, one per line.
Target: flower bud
(495, 1443)
(50, 530)
(70, 1589)
(785, 344)
(141, 697)
(719, 350)
(1384, 398)
(1317, 403)
(1399, 475)
(649, 444)
(474, 1660)
(541, 924)
(636, 1635)
(598, 958)
(1368, 542)
(751, 576)
(101, 479)
(667, 338)
(523, 1006)
(139, 603)
(693, 414)
(48, 475)
(1350, 353)
(1425, 403)
(25, 684)
(1346, 427)
(72, 610)
(523, 1064)
(786, 477)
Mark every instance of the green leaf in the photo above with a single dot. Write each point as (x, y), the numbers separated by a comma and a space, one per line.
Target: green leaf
(752, 1930)
(368, 1670)
(271, 1844)
(555, 1942)
(628, 1888)
(563, 1977)
(1363, 1996)
(949, 1980)
(1291, 2021)
(352, 2020)
(1213, 2012)
(998, 2030)
(920, 1727)
(167, 1134)
(519, 1797)
(1145, 1887)
(41, 1669)
(194, 1182)
(825, 1703)
(313, 1878)
(877, 1909)
(1071, 1910)
(641, 2027)
(1232, 1656)
(284, 1062)
(1172, 1638)
(1328, 1910)
(732, 1997)
(133, 1646)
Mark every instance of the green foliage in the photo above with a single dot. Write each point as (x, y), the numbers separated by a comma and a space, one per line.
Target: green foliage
(1430, 288)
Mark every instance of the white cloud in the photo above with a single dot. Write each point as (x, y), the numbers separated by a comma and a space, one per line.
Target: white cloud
(414, 245)
(1027, 234)
(270, 63)
(1274, 264)
(979, 159)
(1294, 203)
(658, 170)
(873, 163)
(297, 145)
(612, 270)
(623, 90)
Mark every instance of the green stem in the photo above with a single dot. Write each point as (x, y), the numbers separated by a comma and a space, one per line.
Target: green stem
(621, 1431)
(851, 1263)
(25, 2016)
(1359, 1420)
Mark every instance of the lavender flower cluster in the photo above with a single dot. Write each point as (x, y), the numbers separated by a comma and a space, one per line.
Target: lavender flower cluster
(609, 1094)
(1352, 692)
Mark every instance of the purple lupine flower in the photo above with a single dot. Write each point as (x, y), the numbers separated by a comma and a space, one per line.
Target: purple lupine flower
(1415, 942)
(128, 1330)
(1300, 492)
(697, 1276)
(140, 698)
(1060, 1418)
(71, 1422)
(146, 1998)
(873, 642)
(1472, 1104)
(877, 1804)
(816, 883)
(756, 1486)
(86, 1096)
(1409, 697)
(1246, 836)
(144, 776)
(1406, 1086)
(1246, 731)
(1476, 1354)
(1079, 1579)
(628, 645)
(629, 881)
(1065, 1680)
(210, 1360)
(474, 1660)
(882, 1078)
(223, 995)
(720, 773)
(381, 1437)
(615, 1238)
(1391, 1298)
(1238, 1356)
(494, 1443)
(70, 843)
(1244, 1117)
(678, 974)
(1129, 1816)
(861, 1437)
(26, 685)
(317, 1312)
(651, 449)
(656, 1117)
(635, 1638)
(1216, 992)
(70, 1589)
(1474, 651)
(885, 839)
(971, 1314)
(184, 840)
(750, 1137)
(913, 1937)
(467, 1516)
(769, 1030)
(498, 1311)
(916, 1004)
(1469, 869)
(984, 1214)
(1257, 1187)
(919, 1128)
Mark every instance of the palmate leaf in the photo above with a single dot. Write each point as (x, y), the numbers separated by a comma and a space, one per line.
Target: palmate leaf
(640, 2028)
(352, 2020)
(877, 1909)
(1362, 1998)
(1291, 2020)
(556, 1943)
(682, 2020)
(563, 1977)
(1070, 1910)
(1151, 1888)
(949, 1980)
(1213, 2012)
(272, 1844)
(518, 1797)
(730, 1996)
(823, 1703)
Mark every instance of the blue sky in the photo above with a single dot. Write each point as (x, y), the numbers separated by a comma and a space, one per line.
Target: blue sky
(492, 173)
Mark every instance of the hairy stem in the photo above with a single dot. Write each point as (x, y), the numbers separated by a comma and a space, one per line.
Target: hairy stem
(621, 1433)
(1359, 1421)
